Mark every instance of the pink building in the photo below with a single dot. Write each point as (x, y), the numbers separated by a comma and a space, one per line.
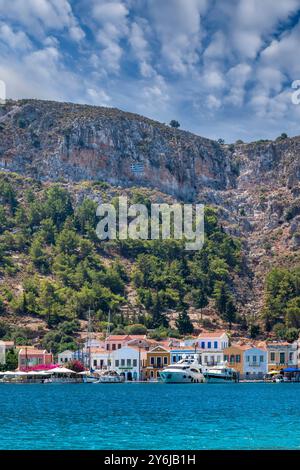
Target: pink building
(30, 357)
(115, 342)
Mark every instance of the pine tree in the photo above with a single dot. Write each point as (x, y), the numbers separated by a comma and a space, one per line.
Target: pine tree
(184, 324)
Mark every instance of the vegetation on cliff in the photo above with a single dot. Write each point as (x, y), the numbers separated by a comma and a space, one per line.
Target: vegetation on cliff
(54, 267)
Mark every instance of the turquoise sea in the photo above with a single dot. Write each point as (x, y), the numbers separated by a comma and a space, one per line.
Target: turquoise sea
(150, 416)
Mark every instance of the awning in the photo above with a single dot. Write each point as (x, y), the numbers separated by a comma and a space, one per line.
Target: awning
(291, 369)
(61, 370)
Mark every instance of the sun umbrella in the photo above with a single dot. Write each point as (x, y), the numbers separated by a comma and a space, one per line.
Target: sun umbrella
(273, 372)
(61, 370)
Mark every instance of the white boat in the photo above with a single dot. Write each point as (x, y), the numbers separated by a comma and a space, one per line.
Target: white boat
(221, 374)
(187, 370)
(110, 377)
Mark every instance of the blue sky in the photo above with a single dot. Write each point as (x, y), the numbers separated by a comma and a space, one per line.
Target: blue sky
(222, 68)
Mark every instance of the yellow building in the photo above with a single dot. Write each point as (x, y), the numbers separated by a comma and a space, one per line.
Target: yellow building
(234, 355)
(156, 359)
(281, 354)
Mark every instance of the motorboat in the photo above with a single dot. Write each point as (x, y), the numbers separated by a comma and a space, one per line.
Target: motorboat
(187, 370)
(221, 373)
(109, 377)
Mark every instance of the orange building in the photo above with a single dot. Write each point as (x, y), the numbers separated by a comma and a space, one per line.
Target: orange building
(234, 355)
(156, 359)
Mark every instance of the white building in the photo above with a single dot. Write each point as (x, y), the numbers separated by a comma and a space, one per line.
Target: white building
(211, 345)
(127, 361)
(65, 356)
(255, 364)
(100, 358)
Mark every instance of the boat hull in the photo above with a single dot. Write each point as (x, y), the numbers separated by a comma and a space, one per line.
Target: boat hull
(219, 379)
(174, 377)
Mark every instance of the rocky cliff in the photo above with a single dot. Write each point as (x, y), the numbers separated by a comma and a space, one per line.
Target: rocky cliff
(256, 186)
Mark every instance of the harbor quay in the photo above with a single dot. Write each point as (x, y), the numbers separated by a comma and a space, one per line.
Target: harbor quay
(138, 358)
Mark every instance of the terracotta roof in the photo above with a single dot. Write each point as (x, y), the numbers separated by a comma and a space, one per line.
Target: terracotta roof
(98, 350)
(118, 337)
(33, 352)
(211, 334)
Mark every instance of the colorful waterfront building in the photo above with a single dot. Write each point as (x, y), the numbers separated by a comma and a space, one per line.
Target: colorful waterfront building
(4, 347)
(114, 342)
(212, 345)
(29, 357)
(65, 356)
(250, 361)
(282, 354)
(178, 353)
(156, 359)
(127, 361)
(99, 358)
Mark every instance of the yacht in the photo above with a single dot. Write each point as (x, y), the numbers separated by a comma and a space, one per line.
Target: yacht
(221, 374)
(187, 370)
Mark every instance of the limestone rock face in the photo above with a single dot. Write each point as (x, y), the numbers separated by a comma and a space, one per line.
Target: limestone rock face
(58, 141)
(256, 186)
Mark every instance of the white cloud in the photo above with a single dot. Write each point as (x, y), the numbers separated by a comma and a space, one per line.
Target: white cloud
(40, 16)
(98, 97)
(177, 24)
(14, 39)
(111, 28)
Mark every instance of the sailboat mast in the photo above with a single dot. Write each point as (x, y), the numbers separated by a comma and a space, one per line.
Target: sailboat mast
(107, 336)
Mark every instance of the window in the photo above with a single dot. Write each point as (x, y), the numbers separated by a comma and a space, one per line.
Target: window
(113, 347)
(205, 359)
(107, 346)
(134, 362)
(95, 362)
(238, 358)
(152, 361)
(282, 358)
(232, 358)
(261, 358)
(254, 358)
(129, 362)
(216, 344)
(117, 362)
(123, 362)
(225, 357)
(208, 344)
(109, 362)
(203, 344)
(165, 360)
(291, 356)
(247, 358)
(179, 358)
(119, 346)
(272, 356)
